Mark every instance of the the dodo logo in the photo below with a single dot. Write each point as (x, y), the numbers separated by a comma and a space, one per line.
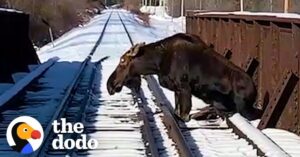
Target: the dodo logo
(25, 134)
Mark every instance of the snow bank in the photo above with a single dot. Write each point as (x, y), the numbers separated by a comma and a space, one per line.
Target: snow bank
(279, 15)
(159, 15)
(288, 141)
(10, 10)
(77, 43)
(154, 10)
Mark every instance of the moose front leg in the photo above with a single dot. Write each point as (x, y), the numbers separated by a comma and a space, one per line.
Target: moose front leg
(177, 108)
(184, 103)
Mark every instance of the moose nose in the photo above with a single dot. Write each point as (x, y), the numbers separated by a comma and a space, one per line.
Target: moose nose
(35, 134)
(110, 90)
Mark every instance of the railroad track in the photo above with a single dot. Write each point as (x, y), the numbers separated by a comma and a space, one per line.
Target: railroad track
(39, 94)
(210, 139)
(114, 121)
(126, 124)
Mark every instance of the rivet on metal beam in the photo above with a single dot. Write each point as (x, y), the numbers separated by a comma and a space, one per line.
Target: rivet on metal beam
(272, 115)
(295, 122)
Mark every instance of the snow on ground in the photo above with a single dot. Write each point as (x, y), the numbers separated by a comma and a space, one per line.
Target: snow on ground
(160, 28)
(77, 44)
(279, 15)
(10, 10)
(160, 19)
(14, 90)
(288, 141)
(260, 139)
(41, 102)
(154, 10)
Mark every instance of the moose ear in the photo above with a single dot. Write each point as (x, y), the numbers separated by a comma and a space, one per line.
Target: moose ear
(135, 49)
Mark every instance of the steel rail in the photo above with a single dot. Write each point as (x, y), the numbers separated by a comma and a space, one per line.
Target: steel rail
(168, 118)
(23, 83)
(87, 100)
(70, 90)
(101, 35)
(174, 130)
(143, 109)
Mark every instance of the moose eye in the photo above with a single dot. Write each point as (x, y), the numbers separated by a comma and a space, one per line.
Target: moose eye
(122, 60)
(25, 130)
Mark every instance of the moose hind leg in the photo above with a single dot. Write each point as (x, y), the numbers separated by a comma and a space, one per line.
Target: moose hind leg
(208, 112)
(185, 104)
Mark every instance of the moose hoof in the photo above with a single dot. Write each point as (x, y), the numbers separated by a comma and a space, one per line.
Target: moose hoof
(183, 118)
(186, 118)
(177, 113)
(204, 115)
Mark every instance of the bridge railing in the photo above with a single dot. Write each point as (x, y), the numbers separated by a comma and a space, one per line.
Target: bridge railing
(279, 6)
(267, 47)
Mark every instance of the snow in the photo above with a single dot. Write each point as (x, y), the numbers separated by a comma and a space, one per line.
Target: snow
(288, 141)
(278, 15)
(154, 10)
(77, 44)
(19, 76)
(197, 103)
(217, 143)
(10, 10)
(261, 140)
(41, 100)
(114, 117)
(5, 86)
(25, 81)
(167, 148)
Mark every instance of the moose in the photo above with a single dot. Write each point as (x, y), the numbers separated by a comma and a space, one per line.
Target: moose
(188, 66)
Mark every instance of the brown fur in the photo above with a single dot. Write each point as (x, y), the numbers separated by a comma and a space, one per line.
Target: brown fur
(186, 65)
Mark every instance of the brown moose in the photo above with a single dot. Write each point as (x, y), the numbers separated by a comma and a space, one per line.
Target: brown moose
(187, 66)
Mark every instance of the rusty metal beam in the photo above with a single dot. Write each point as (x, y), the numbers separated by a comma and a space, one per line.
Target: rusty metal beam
(278, 102)
(296, 49)
(228, 54)
(251, 66)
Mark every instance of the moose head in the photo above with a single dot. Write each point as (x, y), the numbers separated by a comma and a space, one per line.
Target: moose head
(128, 69)
(140, 59)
